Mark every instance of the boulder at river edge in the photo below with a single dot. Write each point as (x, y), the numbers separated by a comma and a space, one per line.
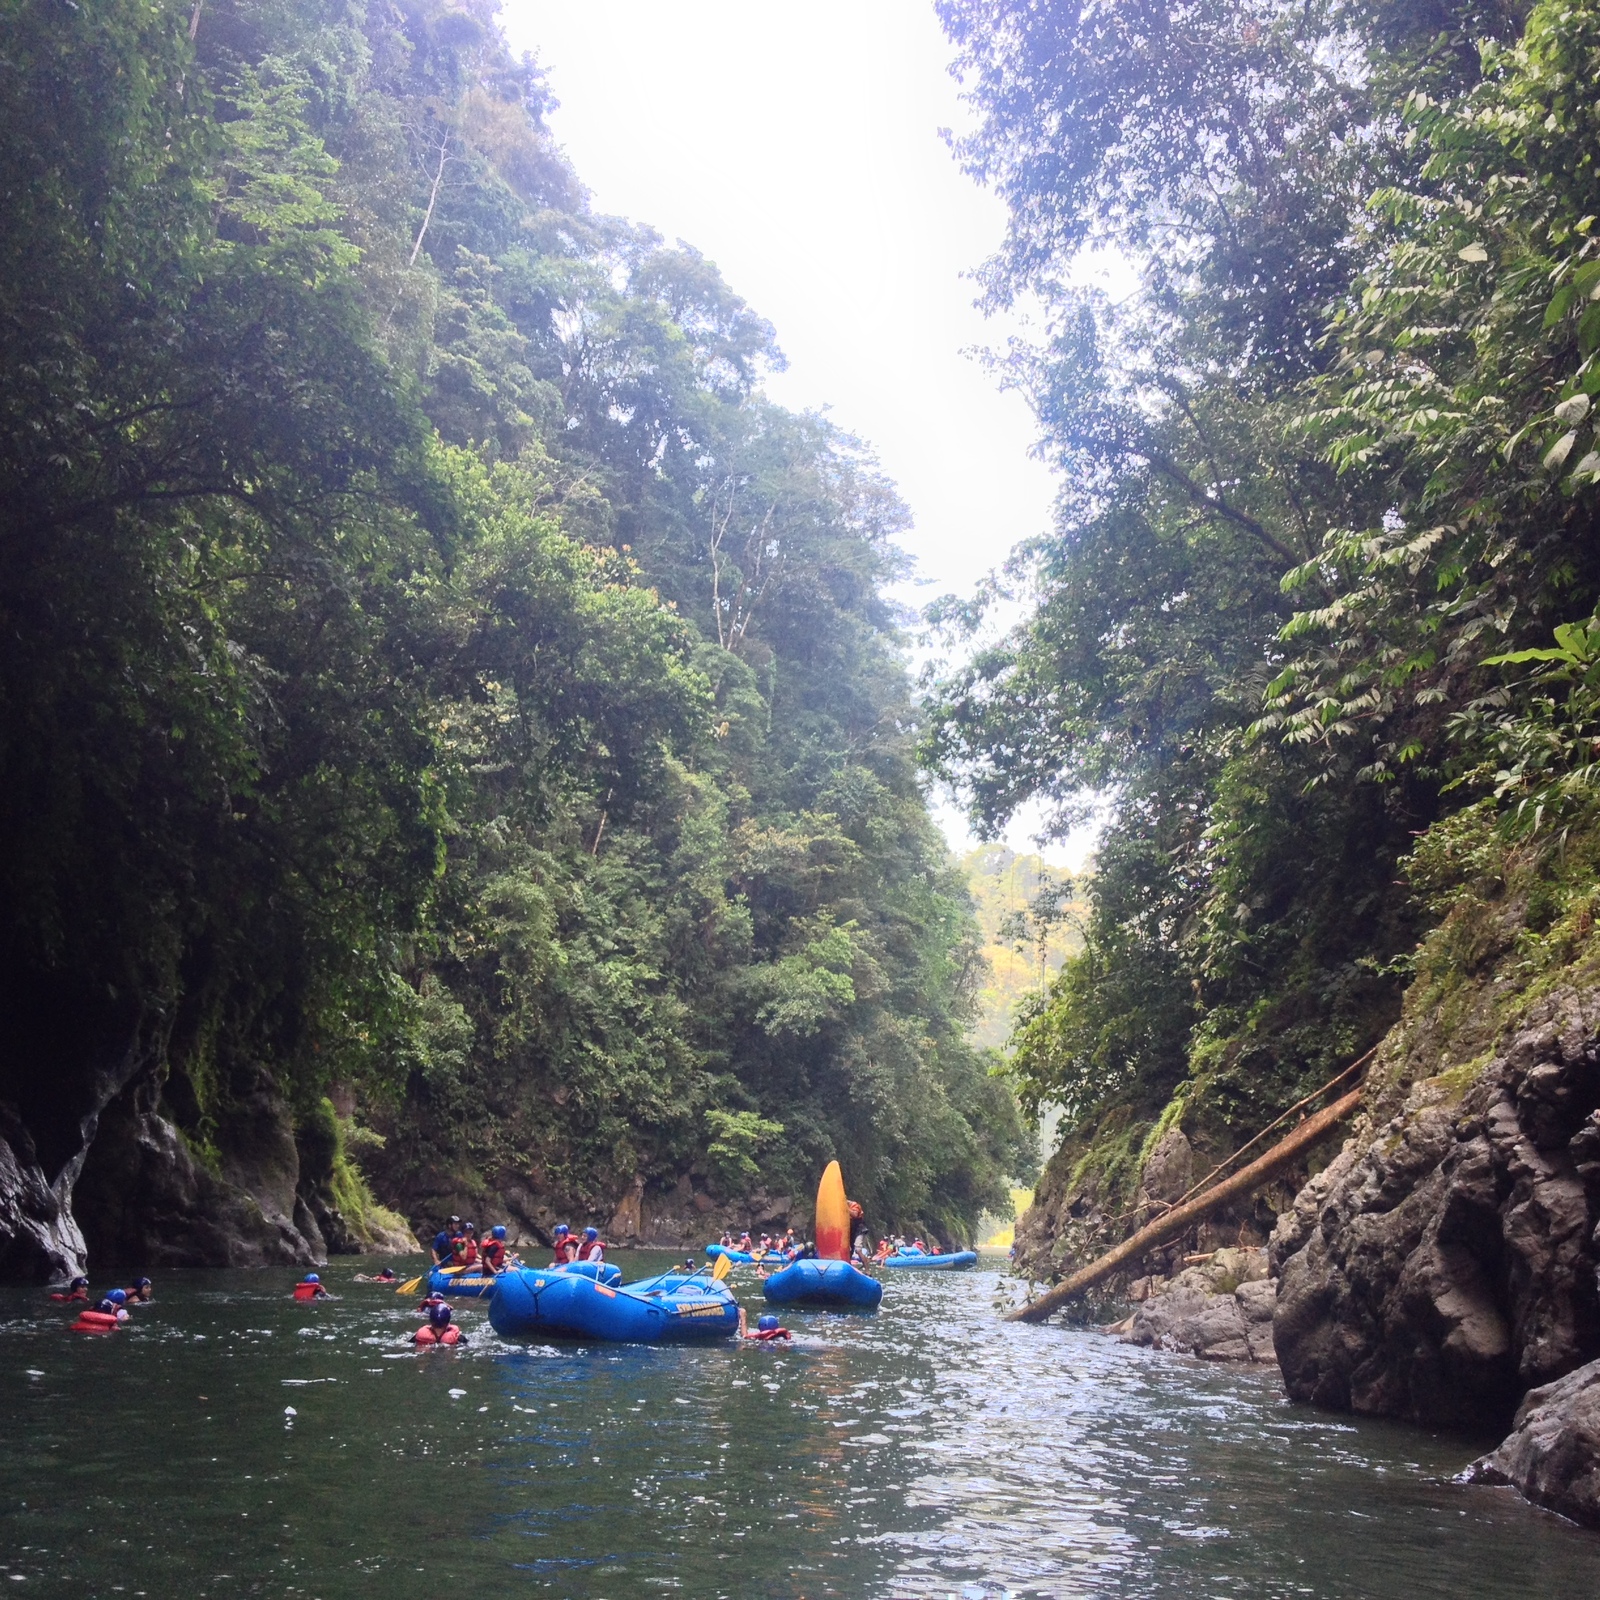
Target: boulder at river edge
(1553, 1452)
(1445, 1263)
(1219, 1311)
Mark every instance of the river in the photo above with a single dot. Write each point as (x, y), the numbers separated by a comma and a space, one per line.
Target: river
(233, 1442)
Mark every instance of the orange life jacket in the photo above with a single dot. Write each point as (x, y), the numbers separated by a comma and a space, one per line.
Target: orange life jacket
(432, 1335)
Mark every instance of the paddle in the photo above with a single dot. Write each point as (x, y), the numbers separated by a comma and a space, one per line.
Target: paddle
(722, 1269)
(411, 1285)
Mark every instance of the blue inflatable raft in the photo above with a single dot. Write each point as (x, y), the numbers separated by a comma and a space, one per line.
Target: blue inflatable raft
(674, 1308)
(834, 1284)
(953, 1262)
(737, 1256)
(476, 1286)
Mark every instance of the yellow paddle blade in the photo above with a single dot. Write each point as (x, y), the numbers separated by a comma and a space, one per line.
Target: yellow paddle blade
(410, 1286)
(723, 1267)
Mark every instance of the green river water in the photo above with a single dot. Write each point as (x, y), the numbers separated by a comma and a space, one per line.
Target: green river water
(233, 1442)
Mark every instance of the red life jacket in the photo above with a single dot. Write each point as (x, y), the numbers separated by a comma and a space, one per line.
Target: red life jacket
(494, 1254)
(565, 1250)
(464, 1252)
(591, 1250)
(768, 1334)
(77, 1294)
(95, 1322)
(308, 1291)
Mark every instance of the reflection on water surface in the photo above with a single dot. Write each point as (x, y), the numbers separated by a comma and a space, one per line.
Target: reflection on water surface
(235, 1443)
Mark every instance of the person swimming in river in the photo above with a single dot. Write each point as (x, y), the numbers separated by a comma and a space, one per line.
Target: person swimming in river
(311, 1287)
(768, 1330)
(78, 1289)
(115, 1305)
(140, 1292)
(439, 1328)
(388, 1275)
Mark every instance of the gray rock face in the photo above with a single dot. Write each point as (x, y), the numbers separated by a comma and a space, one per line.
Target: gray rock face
(144, 1200)
(1446, 1262)
(1221, 1311)
(1553, 1453)
(39, 1240)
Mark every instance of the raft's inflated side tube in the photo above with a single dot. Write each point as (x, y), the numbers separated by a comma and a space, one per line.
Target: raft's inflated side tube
(479, 1285)
(835, 1284)
(953, 1262)
(670, 1309)
(95, 1322)
(738, 1257)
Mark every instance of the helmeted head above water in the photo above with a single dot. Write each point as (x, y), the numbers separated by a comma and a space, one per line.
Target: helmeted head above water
(767, 1323)
(79, 1283)
(591, 1233)
(311, 1277)
(440, 1315)
(117, 1296)
(141, 1283)
(499, 1230)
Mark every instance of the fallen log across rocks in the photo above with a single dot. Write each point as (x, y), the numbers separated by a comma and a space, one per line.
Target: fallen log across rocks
(1262, 1170)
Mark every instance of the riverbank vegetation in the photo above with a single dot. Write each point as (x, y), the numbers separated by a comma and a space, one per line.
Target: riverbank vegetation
(1318, 610)
(434, 675)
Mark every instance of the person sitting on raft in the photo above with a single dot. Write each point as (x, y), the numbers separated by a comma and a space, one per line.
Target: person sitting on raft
(494, 1250)
(590, 1247)
(744, 1243)
(564, 1247)
(310, 1288)
(464, 1247)
(441, 1242)
(140, 1292)
(78, 1289)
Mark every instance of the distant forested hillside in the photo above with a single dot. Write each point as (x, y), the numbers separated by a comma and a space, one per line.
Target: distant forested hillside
(1030, 919)
(449, 718)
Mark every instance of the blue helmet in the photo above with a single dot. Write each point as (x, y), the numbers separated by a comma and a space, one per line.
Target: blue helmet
(767, 1323)
(561, 1228)
(311, 1277)
(591, 1233)
(439, 1315)
(141, 1283)
(499, 1230)
(118, 1295)
(79, 1283)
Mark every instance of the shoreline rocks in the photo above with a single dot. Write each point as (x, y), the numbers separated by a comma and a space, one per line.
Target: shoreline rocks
(1552, 1455)
(1218, 1311)
(1446, 1263)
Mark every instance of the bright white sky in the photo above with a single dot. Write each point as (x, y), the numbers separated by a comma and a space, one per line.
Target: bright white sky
(796, 144)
